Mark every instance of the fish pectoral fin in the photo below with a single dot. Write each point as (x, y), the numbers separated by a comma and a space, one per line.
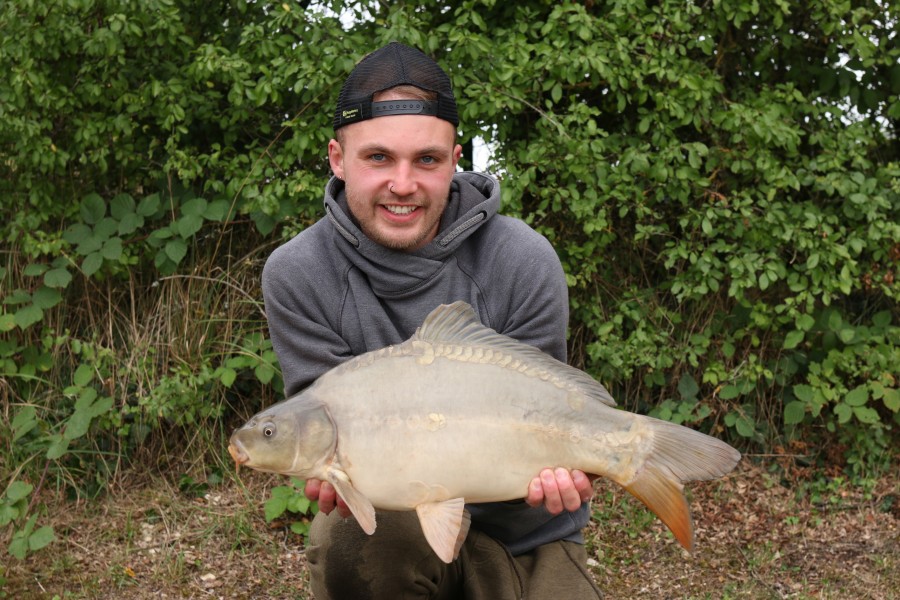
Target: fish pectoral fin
(359, 505)
(445, 525)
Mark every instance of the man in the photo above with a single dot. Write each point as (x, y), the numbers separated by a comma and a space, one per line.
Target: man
(403, 233)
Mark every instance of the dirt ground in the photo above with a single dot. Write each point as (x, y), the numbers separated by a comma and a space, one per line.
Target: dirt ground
(756, 538)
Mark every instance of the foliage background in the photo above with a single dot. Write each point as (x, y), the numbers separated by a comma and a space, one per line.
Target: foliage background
(721, 180)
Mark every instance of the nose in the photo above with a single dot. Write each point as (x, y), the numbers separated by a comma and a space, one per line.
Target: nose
(402, 181)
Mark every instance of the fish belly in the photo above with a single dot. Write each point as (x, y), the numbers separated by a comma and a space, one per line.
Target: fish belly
(410, 433)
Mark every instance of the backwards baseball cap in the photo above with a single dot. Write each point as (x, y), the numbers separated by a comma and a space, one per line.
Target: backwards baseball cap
(388, 67)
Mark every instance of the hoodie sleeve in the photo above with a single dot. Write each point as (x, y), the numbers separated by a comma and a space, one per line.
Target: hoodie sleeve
(538, 309)
(523, 283)
(303, 314)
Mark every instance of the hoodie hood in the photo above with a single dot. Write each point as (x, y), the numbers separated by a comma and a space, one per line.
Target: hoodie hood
(474, 199)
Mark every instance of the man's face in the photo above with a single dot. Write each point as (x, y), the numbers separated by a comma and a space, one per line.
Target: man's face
(414, 155)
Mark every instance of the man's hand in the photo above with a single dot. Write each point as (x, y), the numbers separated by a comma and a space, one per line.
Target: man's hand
(325, 494)
(559, 489)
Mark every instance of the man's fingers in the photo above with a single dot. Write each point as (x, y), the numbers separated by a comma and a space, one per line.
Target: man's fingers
(311, 489)
(535, 495)
(583, 484)
(568, 493)
(327, 498)
(553, 502)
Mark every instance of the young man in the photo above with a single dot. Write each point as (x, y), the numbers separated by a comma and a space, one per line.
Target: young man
(403, 233)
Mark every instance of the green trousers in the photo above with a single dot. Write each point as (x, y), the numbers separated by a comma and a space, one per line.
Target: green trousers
(396, 563)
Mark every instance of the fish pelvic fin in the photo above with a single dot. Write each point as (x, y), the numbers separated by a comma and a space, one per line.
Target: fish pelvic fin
(445, 525)
(358, 504)
(665, 497)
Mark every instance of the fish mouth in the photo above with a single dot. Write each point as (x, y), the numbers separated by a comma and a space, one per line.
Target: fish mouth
(238, 454)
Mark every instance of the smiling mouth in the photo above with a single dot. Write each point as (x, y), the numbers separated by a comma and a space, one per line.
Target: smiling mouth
(399, 210)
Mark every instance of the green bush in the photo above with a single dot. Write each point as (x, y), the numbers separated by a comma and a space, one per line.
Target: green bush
(721, 182)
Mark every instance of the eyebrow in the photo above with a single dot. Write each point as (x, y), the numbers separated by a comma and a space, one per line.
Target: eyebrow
(438, 151)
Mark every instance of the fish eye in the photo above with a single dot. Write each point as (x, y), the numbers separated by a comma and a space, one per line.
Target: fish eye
(268, 430)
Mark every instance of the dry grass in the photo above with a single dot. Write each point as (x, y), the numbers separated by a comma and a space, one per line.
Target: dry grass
(755, 539)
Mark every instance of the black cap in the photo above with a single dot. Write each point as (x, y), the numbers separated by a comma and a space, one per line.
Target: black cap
(388, 67)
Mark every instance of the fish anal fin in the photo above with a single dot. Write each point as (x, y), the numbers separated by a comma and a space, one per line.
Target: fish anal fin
(358, 504)
(664, 495)
(445, 525)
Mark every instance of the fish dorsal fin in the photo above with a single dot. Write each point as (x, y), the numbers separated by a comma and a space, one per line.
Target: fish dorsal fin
(454, 329)
(358, 504)
(445, 525)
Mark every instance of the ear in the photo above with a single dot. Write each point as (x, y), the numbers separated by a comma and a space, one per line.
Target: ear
(336, 158)
(457, 153)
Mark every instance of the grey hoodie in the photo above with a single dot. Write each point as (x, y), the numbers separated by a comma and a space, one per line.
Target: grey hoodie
(331, 293)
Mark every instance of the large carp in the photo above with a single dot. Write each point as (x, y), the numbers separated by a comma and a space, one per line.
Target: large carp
(459, 413)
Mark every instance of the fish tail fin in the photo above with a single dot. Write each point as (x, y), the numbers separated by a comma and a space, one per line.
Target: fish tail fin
(663, 495)
(678, 455)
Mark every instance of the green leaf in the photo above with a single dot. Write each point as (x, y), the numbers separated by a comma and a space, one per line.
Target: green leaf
(18, 546)
(794, 412)
(194, 207)
(217, 210)
(803, 392)
(46, 298)
(556, 93)
(843, 412)
(34, 269)
(112, 249)
(83, 375)
(41, 538)
(78, 234)
(891, 399)
(866, 415)
(882, 319)
(121, 206)
(24, 421)
(149, 205)
(687, 387)
(264, 373)
(18, 490)
(90, 245)
(188, 225)
(264, 223)
(176, 249)
(793, 339)
(745, 427)
(300, 527)
(93, 209)
(27, 316)
(130, 223)
(858, 396)
(57, 278)
(805, 322)
(58, 447)
(7, 322)
(274, 507)
(847, 334)
(298, 503)
(729, 392)
(91, 263)
(8, 514)
(227, 376)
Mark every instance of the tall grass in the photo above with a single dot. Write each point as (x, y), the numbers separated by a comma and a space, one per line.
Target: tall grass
(178, 355)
